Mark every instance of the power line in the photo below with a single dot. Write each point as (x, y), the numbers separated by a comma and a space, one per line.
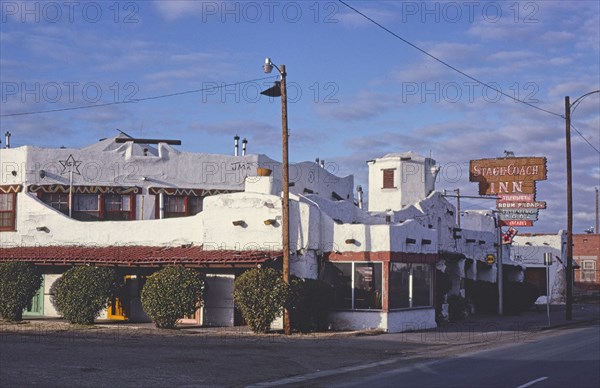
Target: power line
(136, 99)
(586, 140)
(446, 63)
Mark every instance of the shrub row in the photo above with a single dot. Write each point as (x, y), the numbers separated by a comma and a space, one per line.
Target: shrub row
(170, 294)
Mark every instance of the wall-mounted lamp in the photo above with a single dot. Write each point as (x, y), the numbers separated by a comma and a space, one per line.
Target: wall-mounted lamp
(528, 243)
(42, 174)
(411, 241)
(145, 178)
(350, 241)
(241, 223)
(42, 229)
(271, 221)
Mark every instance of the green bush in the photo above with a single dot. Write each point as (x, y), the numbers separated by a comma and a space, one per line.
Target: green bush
(82, 292)
(172, 293)
(310, 304)
(260, 294)
(18, 284)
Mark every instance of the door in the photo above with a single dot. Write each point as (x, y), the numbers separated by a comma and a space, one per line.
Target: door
(36, 305)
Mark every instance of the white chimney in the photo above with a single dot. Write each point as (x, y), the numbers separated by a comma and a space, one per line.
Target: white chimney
(244, 143)
(7, 141)
(236, 140)
(359, 192)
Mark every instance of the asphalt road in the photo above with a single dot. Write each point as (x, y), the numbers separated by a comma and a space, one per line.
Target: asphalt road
(568, 359)
(51, 354)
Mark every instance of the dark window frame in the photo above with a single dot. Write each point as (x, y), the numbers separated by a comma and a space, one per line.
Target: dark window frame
(388, 178)
(12, 212)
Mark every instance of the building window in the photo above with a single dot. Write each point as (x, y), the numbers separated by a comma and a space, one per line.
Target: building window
(93, 207)
(8, 207)
(86, 207)
(181, 205)
(588, 271)
(388, 178)
(59, 201)
(410, 285)
(356, 285)
(117, 207)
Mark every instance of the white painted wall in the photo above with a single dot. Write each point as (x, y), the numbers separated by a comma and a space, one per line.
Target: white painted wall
(529, 250)
(392, 322)
(411, 320)
(414, 180)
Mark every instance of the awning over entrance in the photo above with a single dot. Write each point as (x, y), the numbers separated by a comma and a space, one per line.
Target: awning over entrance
(141, 256)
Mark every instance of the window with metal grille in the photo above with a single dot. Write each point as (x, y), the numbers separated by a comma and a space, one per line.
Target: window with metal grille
(388, 178)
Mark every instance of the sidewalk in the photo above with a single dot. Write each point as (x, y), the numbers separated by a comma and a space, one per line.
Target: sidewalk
(470, 329)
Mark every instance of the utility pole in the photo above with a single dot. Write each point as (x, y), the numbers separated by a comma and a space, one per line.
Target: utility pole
(276, 91)
(569, 251)
(596, 230)
(458, 207)
(286, 196)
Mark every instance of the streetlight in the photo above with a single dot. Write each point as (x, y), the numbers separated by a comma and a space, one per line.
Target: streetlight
(570, 108)
(279, 90)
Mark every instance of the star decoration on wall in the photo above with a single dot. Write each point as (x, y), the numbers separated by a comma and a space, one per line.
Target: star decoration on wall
(70, 165)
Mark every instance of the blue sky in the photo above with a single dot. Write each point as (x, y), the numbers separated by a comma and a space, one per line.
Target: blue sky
(356, 91)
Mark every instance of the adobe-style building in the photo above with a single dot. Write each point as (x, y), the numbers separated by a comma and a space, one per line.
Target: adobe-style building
(529, 249)
(140, 204)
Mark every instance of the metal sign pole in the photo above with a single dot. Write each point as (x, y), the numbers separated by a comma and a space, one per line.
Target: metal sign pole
(548, 263)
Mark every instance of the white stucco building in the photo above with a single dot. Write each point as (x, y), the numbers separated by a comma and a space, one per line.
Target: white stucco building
(529, 250)
(140, 204)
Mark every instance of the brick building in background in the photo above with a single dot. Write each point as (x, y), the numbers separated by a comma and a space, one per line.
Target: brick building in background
(586, 252)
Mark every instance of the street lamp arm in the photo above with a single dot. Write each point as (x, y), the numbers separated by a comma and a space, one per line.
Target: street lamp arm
(573, 106)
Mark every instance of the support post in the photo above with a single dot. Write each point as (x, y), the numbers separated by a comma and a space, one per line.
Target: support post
(569, 251)
(286, 195)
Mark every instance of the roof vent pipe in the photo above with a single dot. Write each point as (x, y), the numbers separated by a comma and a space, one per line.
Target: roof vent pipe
(244, 143)
(322, 163)
(359, 192)
(236, 140)
(7, 141)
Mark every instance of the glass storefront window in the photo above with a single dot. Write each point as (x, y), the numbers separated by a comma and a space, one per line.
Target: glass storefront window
(410, 285)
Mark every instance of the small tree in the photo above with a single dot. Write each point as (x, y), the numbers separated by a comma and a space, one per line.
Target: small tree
(260, 295)
(310, 304)
(18, 284)
(172, 293)
(82, 292)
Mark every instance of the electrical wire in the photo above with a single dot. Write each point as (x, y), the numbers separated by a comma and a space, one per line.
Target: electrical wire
(446, 63)
(136, 100)
(462, 72)
(586, 140)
